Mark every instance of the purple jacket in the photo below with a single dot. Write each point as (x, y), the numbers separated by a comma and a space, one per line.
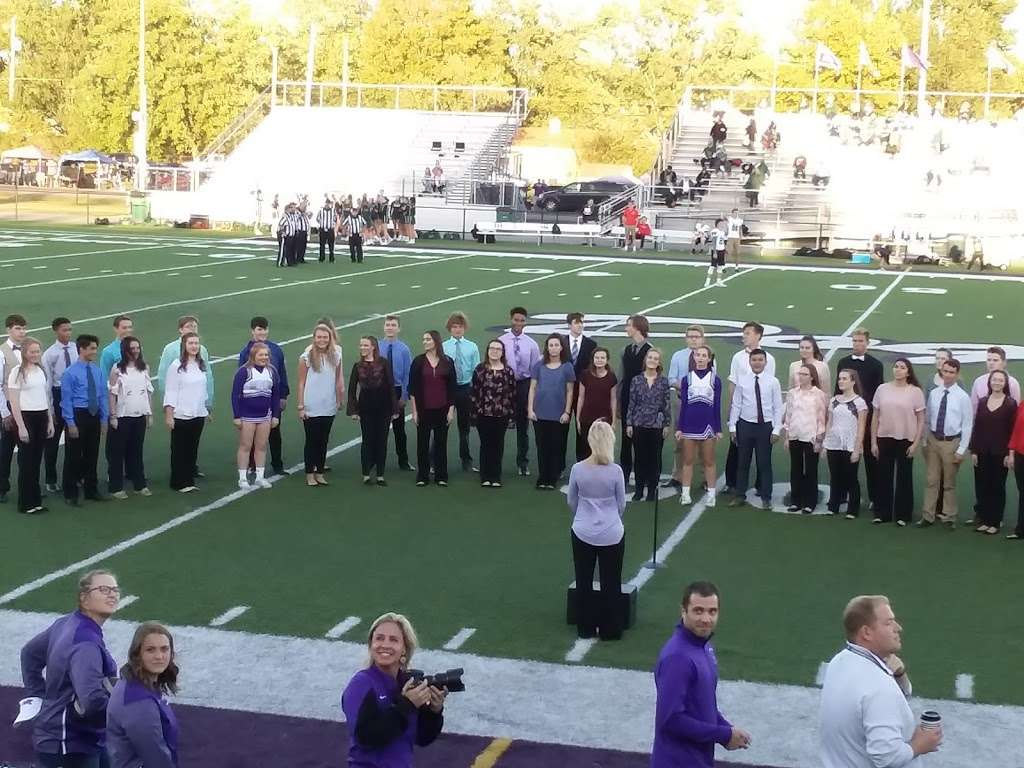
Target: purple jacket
(255, 397)
(383, 725)
(78, 667)
(141, 728)
(687, 723)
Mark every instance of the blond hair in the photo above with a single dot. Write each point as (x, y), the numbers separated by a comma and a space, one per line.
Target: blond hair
(860, 612)
(314, 356)
(408, 635)
(601, 439)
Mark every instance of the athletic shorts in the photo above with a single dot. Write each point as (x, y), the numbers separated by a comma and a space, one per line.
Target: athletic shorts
(718, 258)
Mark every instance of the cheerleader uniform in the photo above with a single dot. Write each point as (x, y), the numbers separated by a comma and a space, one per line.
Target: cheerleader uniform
(256, 394)
(700, 408)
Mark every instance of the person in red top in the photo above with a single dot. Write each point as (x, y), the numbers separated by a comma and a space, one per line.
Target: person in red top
(630, 218)
(643, 231)
(1017, 460)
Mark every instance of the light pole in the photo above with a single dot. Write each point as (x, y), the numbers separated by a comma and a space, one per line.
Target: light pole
(922, 73)
(141, 114)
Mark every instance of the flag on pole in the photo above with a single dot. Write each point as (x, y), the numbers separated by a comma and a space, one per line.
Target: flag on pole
(912, 60)
(825, 59)
(864, 60)
(996, 60)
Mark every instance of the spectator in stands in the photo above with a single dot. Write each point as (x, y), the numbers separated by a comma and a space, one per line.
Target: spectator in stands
(131, 414)
(432, 393)
(844, 442)
(643, 231)
(977, 255)
(751, 134)
(29, 395)
(597, 498)
(755, 421)
(995, 360)
(186, 410)
(597, 399)
(897, 424)
(141, 726)
(372, 402)
(439, 178)
(700, 416)
(522, 354)
(649, 422)
(804, 424)
(466, 356)
(821, 175)
(990, 452)
(58, 357)
(630, 218)
(589, 212)
(550, 407)
(701, 184)
(256, 401)
(752, 184)
(770, 139)
(494, 404)
(721, 162)
(428, 181)
(321, 391)
(701, 237)
(719, 131)
(810, 354)
(800, 167)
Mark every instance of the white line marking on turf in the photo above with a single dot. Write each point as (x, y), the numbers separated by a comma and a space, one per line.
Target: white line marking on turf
(89, 253)
(459, 639)
(223, 501)
(867, 312)
(819, 680)
(73, 269)
(40, 266)
(964, 686)
(342, 627)
(127, 600)
(580, 649)
(229, 615)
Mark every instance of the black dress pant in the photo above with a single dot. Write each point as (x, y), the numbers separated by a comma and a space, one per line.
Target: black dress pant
(285, 250)
(843, 483)
(626, 449)
(30, 457)
(1018, 476)
(990, 488)
(314, 451)
(81, 455)
(647, 444)
(53, 444)
(463, 408)
(355, 247)
(870, 465)
(185, 451)
(301, 240)
(549, 440)
(8, 441)
(327, 241)
(754, 443)
(582, 445)
(432, 444)
(398, 427)
(373, 453)
(598, 613)
(803, 474)
(894, 495)
(492, 446)
(522, 423)
(125, 453)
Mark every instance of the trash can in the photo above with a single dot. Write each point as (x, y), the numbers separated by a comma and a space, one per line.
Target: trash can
(505, 214)
(140, 208)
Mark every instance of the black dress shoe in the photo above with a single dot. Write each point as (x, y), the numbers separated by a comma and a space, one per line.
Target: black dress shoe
(280, 470)
(75, 502)
(407, 467)
(638, 496)
(672, 483)
(97, 497)
(3, 497)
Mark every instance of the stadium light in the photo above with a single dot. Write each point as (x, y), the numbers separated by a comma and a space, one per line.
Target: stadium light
(141, 116)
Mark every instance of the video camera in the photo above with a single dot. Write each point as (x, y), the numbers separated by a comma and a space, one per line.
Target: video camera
(450, 679)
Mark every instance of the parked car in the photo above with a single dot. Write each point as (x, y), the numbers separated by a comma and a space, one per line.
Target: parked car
(572, 197)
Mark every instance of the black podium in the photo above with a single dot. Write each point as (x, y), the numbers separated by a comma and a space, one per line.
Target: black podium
(627, 604)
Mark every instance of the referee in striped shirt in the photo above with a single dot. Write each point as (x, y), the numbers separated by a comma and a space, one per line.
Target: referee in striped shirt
(301, 234)
(286, 237)
(326, 220)
(354, 224)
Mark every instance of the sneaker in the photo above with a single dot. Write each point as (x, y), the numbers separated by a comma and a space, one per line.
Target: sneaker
(190, 488)
(381, 482)
(524, 471)
(496, 485)
(684, 497)
(876, 521)
(922, 523)
(119, 495)
(709, 500)
(264, 483)
(792, 508)
(851, 517)
(485, 484)
(443, 483)
(144, 492)
(901, 523)
(243, 484)
(407, 467)
(52, 488)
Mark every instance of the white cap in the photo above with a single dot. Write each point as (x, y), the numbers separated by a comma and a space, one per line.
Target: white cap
(27, 710)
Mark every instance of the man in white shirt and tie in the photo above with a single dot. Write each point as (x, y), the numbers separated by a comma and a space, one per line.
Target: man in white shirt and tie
(740, 366)
(10, 358)
(581, 350)
(950, 422)
(755, 421)
(864, 718)
(57, 358)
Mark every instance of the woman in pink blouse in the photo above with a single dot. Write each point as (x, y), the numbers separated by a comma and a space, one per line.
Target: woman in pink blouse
(804, 425)
(810, 354)
(896, 427)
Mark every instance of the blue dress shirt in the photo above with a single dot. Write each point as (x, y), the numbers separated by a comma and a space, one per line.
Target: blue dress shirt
(466, 355)
(400, 356)
(74, 391)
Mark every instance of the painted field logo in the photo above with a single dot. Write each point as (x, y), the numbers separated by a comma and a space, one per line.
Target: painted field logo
(610, 326)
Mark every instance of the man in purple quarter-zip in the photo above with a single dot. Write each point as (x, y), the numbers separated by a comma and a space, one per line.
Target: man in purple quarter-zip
(687, 723)
(70, 729)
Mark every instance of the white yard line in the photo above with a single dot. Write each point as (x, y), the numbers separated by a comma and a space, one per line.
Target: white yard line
(607, 708)
(459, 639)
(229, 615)
(342, 627)
(82, 279)
(867, 312)
(85, 253)
(127, 600)
(964, 686)
(819, 679)
(144, 536)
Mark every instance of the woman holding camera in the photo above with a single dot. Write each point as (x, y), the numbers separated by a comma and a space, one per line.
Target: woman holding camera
(386, 710)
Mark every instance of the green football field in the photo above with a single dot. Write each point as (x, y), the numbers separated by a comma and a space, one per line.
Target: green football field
(302, 561)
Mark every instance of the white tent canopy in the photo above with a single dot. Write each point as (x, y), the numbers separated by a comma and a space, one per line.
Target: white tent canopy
(24, 153)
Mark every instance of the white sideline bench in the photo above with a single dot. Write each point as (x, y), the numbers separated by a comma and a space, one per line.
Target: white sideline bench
(589, 232)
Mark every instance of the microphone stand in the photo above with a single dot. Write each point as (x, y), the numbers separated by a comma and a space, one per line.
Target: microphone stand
(653, 563)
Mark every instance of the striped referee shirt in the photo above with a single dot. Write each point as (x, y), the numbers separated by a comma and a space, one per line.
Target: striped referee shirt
(301, 221)
(354, 224)
(286, 226)
(326, 217)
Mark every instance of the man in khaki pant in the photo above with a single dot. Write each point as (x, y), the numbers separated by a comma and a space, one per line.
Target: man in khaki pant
(950, 421)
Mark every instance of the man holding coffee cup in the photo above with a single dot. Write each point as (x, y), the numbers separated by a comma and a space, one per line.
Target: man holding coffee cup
(865, 720)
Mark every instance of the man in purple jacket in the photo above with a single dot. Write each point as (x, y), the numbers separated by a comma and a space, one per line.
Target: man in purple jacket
(687, 723)
(70, 729)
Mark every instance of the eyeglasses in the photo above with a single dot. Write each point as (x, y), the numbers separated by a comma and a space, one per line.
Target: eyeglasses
(106, 590)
